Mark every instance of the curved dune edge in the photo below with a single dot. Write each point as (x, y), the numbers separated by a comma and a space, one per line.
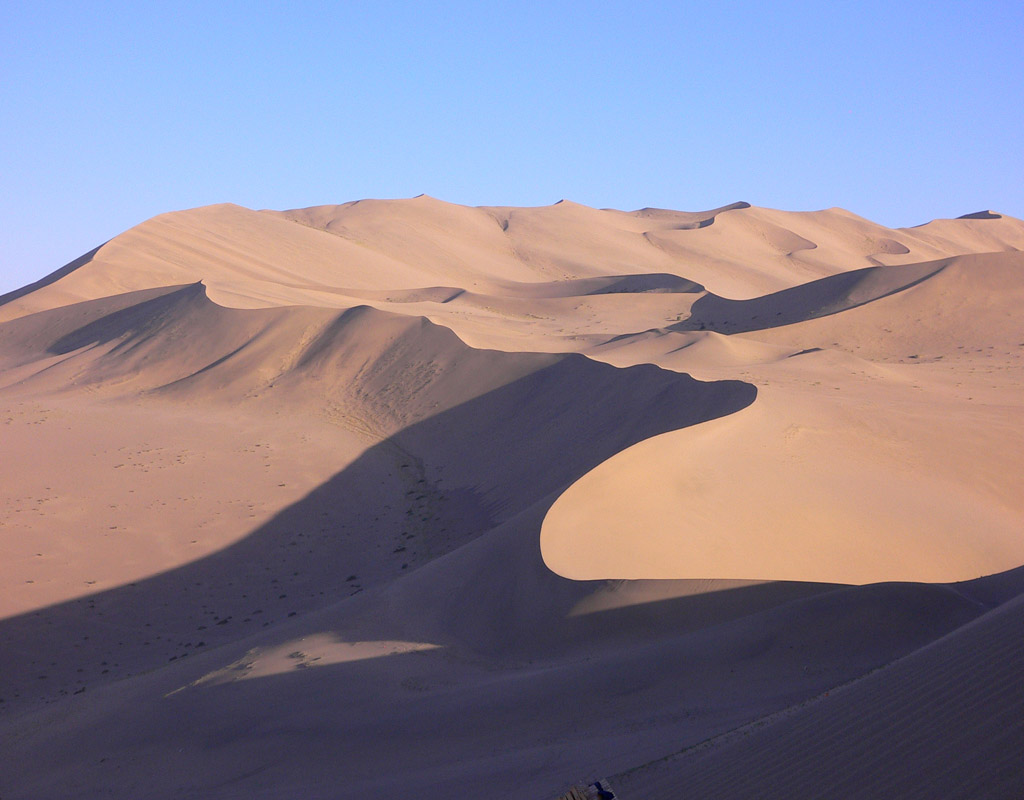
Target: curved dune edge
(323, 458)
(789, 489)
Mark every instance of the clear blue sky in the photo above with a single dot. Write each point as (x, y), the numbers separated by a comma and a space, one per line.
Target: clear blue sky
(113, 112)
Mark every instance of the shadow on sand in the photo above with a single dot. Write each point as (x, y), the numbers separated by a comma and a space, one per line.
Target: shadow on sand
(426, 491)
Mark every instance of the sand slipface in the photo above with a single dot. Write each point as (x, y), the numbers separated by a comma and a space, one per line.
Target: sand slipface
(410, 497)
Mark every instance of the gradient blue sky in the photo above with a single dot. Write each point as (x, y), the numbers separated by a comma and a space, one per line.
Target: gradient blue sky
(113, 112)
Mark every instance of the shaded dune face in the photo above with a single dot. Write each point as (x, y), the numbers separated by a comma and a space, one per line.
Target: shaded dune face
(428, 500)
(819, 298)
(958, 739)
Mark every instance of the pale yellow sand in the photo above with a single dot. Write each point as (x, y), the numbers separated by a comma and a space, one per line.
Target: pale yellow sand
(403, 497)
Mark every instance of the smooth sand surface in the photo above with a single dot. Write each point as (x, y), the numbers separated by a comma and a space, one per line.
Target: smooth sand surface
(403, 497)
(938, 723)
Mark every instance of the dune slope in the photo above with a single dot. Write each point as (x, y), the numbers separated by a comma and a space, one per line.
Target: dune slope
(952, 709)
(407, 498)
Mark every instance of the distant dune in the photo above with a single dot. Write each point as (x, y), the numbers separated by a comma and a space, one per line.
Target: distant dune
(405, 498)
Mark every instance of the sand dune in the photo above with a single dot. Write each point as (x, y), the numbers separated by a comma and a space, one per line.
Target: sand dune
(389, 394)
(264, 258)
(852, 487)
(403, 497)
(848, 455)
(952, 709)
(820, 298)
(970, 305)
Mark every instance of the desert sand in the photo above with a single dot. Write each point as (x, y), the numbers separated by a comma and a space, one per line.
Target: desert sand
(405, 498)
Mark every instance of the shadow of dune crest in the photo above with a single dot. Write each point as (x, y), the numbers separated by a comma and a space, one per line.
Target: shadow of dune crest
(823, 297)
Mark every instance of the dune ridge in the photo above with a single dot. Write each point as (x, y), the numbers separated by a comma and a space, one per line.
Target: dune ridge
(408, 497)
(260, 258)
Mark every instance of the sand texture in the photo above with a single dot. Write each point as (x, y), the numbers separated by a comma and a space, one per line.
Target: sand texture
(404, 498)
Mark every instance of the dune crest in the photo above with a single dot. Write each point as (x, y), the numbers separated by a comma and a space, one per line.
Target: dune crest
(420, 499)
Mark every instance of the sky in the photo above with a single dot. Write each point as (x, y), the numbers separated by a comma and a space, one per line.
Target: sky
(111, 113)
